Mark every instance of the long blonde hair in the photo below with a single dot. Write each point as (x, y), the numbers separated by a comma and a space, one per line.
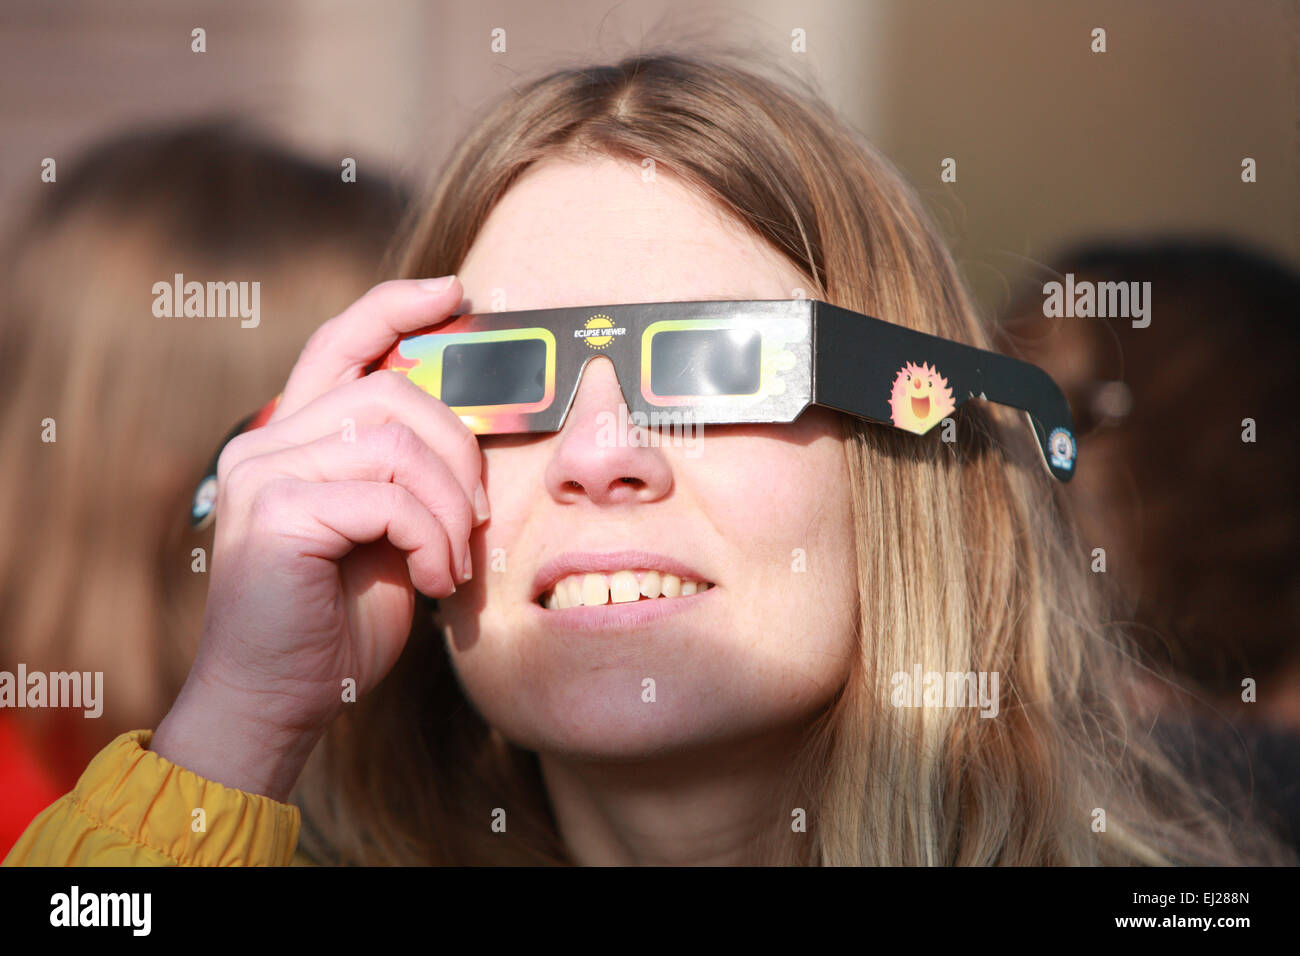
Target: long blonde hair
(966, 560)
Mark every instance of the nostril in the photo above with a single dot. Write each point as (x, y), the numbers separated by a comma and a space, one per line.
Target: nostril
(630, 481)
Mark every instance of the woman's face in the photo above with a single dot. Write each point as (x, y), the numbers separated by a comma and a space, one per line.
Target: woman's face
(760, 512)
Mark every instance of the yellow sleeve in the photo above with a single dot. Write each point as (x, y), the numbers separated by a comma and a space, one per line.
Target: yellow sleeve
(132, 807)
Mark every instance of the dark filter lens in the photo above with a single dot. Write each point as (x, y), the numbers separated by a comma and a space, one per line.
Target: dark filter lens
(494, 373)
(706, 362)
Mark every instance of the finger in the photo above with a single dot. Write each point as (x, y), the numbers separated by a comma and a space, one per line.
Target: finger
(377, 399)
(341, 348)
(379, 453)
(344, 514)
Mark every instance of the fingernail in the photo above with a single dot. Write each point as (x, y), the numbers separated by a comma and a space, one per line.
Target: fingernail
(436, 285)
(466, 569)
(481, 511)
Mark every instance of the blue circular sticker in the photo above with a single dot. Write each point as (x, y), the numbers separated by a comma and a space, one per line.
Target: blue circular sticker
(1062, 448)
(204, 503)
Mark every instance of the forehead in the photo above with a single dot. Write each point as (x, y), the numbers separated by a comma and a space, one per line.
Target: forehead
(599, 231)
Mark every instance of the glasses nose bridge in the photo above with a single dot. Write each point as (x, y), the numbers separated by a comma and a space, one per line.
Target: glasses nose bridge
(582, 375)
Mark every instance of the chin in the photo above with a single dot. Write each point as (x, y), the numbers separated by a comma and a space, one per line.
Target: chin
(607, 719)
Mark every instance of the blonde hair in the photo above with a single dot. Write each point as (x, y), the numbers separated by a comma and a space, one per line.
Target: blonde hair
(965, 562)
(95, 568)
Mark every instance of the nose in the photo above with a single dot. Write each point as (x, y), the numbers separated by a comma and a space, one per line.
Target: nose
(600, 454)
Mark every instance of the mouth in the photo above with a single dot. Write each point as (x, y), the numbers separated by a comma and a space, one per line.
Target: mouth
(921, 407)
(626, 586)
(595, 579)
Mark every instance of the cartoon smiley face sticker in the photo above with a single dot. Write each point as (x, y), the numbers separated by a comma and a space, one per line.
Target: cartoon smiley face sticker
(920, 399)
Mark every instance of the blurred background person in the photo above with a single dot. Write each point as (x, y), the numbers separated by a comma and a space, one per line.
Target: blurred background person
(96, 565)
(1199, 525)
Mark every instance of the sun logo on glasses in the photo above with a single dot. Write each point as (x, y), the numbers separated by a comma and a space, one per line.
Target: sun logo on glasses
(920, 399)
(599, 332)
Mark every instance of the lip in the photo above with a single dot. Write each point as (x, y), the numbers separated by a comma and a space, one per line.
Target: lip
(597, 562)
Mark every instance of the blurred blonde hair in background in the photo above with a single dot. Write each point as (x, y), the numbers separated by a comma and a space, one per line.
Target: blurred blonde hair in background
(95, 555)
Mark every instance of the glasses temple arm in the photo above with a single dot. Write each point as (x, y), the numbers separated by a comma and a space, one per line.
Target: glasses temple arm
(858, 357)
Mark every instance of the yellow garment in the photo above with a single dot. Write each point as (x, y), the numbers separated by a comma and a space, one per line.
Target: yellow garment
(132, 807)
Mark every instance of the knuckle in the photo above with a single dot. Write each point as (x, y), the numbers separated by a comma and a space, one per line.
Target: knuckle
(243, 475)
(382, 289)
(231, 456)
(388, 385)
(397, 442)
(268, 502)
(320, 341)
(396, 497)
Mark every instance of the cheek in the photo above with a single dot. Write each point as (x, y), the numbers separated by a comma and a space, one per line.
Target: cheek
(785, 495)
(787, 524)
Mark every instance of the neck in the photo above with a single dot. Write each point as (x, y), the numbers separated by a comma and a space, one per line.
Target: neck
(707, 807)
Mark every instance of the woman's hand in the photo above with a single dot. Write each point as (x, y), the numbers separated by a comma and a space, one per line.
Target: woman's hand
(357, 491)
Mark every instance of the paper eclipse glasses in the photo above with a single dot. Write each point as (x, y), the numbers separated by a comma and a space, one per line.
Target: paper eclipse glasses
(708, 363)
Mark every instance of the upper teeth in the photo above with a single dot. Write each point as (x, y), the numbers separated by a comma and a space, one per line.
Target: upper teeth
(619, 587)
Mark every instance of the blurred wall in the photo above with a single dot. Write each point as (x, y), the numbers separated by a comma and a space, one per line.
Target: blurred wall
(1052, 142)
